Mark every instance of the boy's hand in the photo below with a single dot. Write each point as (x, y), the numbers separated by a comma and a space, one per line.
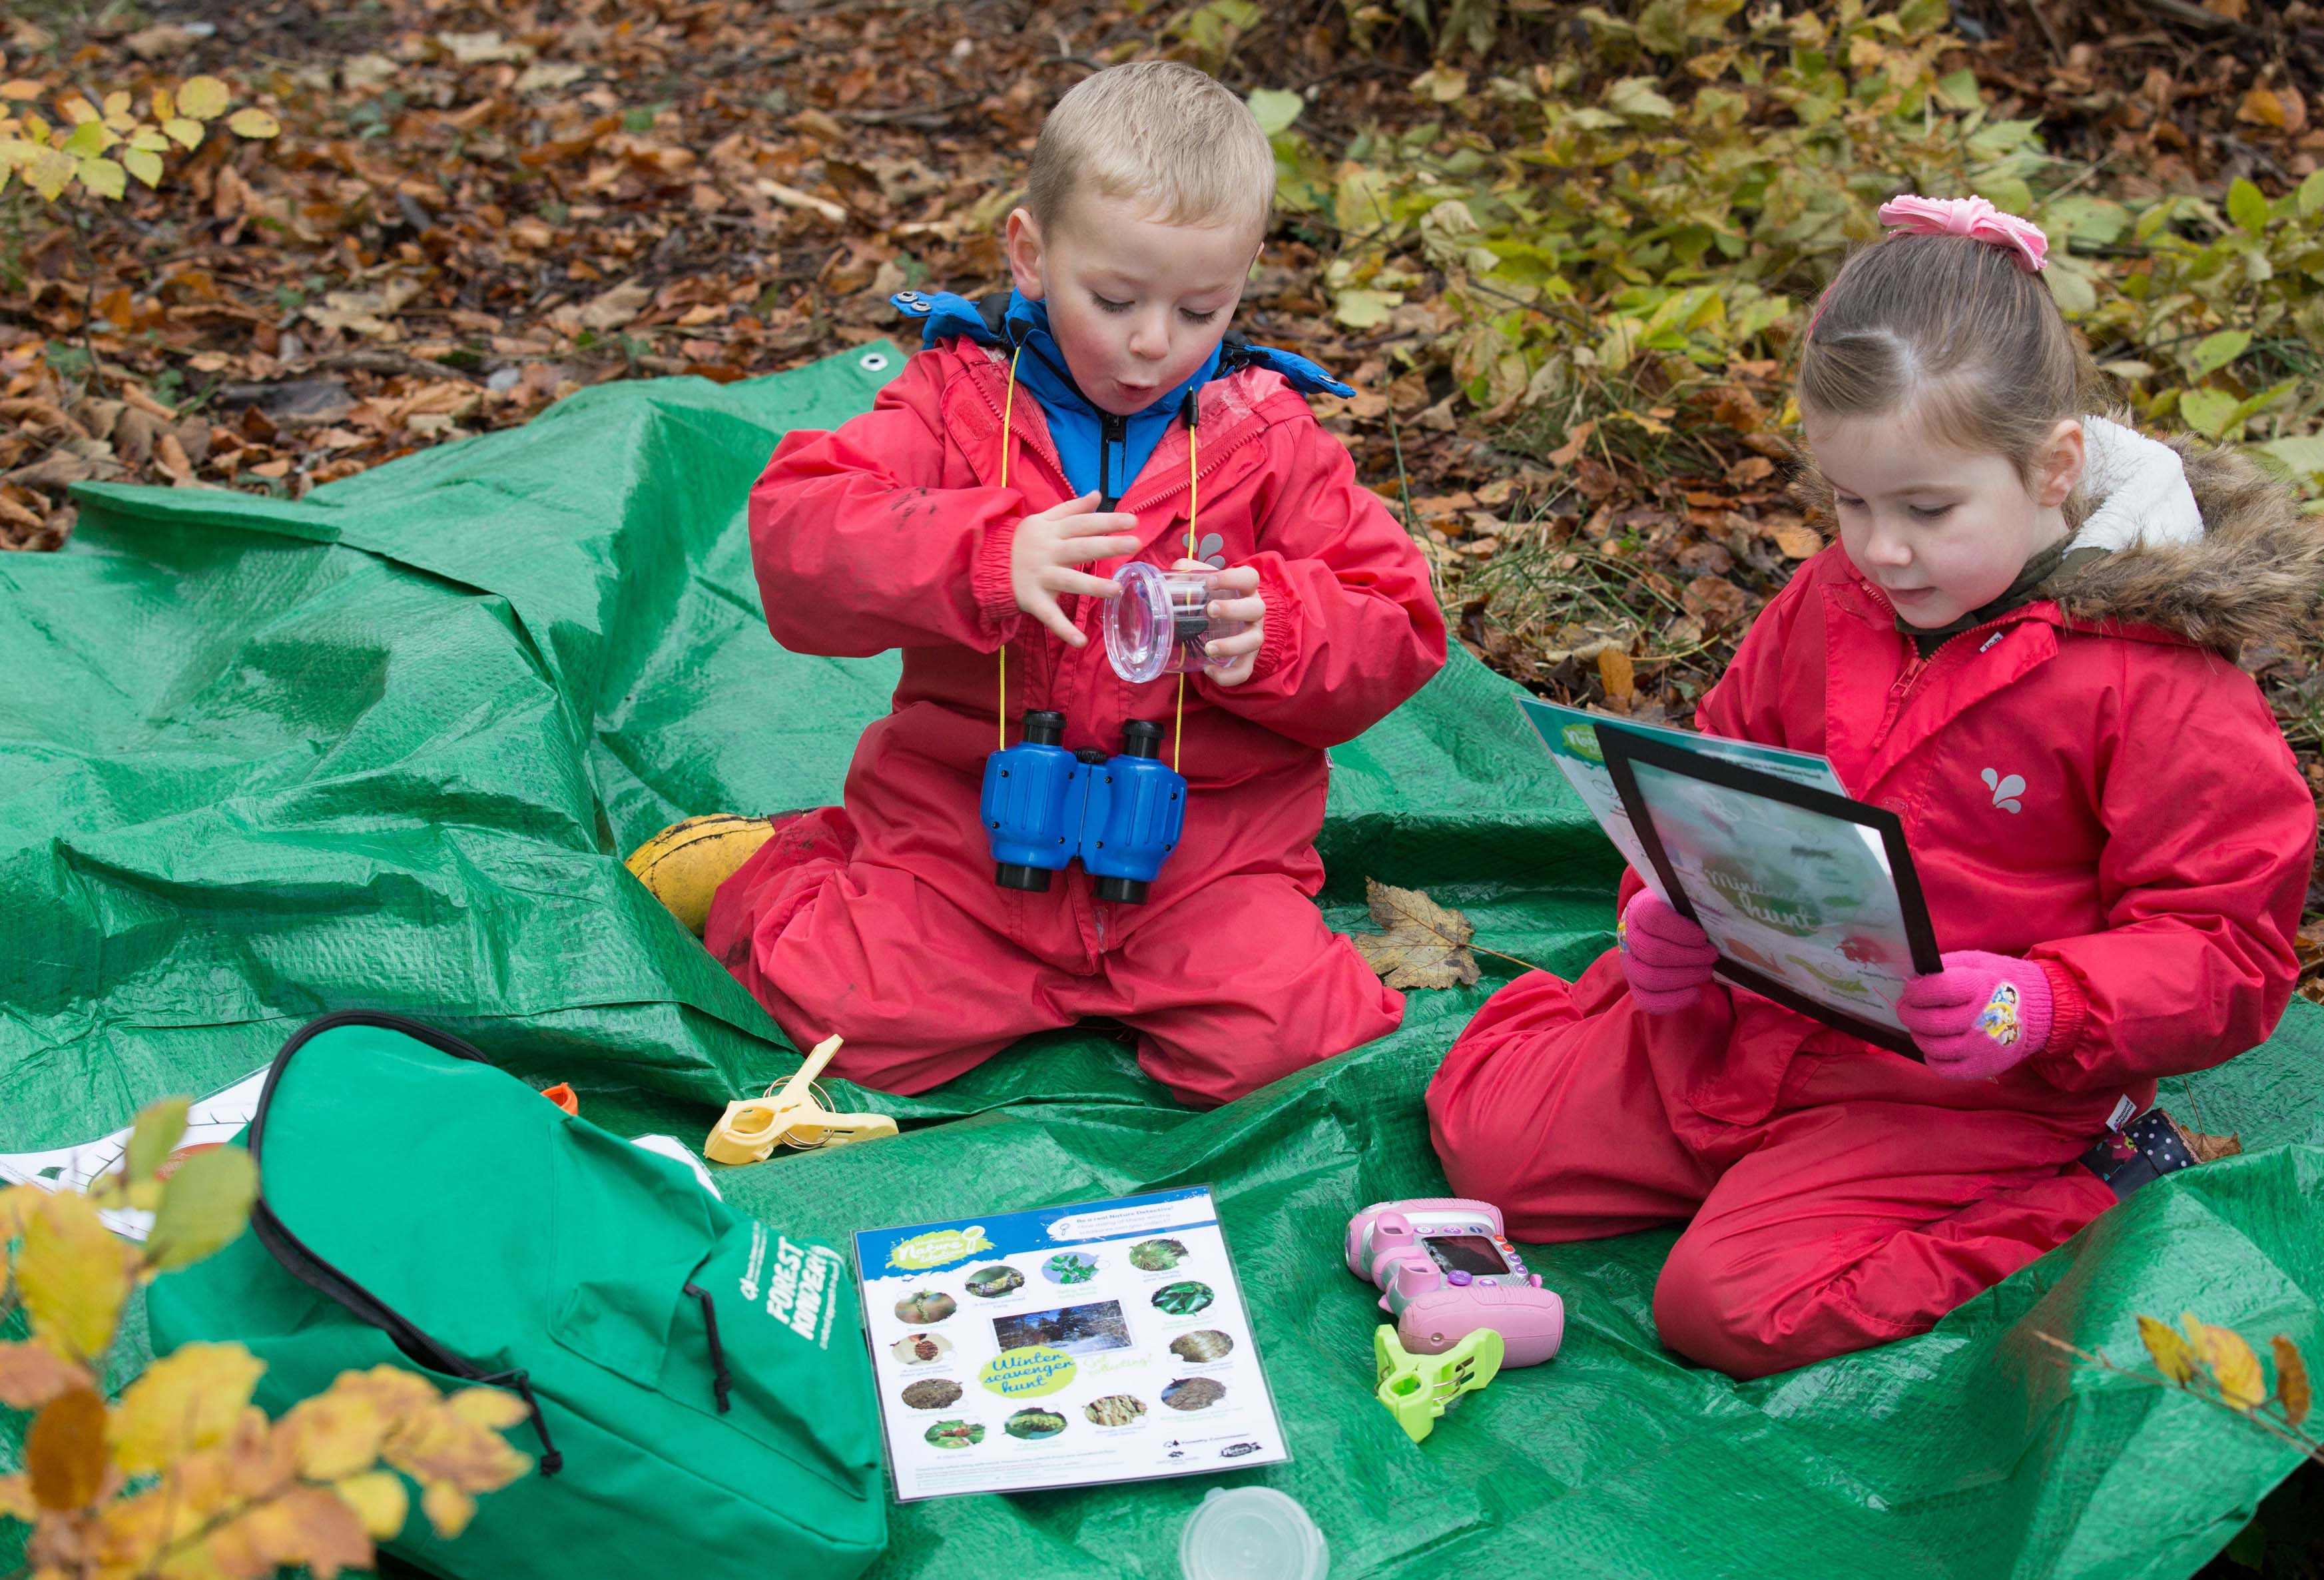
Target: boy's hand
(1047, 546)
(1242, 648)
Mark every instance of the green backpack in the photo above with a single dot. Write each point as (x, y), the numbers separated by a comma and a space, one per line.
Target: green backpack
(699, 1390)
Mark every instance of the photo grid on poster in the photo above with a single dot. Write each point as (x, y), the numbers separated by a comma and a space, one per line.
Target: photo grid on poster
(1073, 1346)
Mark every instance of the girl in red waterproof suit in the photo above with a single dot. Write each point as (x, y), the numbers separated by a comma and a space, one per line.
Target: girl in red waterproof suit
(1099, 398)
(2039, 678)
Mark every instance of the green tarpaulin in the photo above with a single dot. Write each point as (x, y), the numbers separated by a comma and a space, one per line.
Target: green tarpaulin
(385, 747)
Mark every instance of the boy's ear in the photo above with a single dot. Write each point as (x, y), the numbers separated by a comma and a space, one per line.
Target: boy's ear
(1024, 247)
(2062, 460)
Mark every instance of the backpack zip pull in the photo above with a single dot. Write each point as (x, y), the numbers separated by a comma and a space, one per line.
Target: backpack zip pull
(521, 1383)
(722, 1381)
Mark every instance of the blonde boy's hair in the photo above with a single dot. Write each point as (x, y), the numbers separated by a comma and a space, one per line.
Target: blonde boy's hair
(1158, 131)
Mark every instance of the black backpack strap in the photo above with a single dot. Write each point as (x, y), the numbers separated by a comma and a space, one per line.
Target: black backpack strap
(302, 1263)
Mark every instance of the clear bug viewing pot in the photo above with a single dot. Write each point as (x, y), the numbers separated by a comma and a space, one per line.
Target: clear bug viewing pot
(1160, 624)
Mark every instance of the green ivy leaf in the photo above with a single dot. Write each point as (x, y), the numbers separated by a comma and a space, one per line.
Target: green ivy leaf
(1275, 108)
(49, 171)
(2002, 137)
(2310, 198)
(2095, 222)
(158, 1125)
(1662, 26)
(1441, 84)
(2214, 352)
(104, 177)
(2070, 286)
(1919, 18)
(1635, 98)
(204, 98)
(2302, 453)
(2207, 412)
(1360, 205)
(1365, 310)
(89, 139)
(2010, 194)
(2246, 410)
(1958, 90)
(206, 1206)
(2247, 206)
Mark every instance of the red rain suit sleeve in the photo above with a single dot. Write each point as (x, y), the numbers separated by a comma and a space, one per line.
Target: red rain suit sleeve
(859, 546)
(1353, 626)
(2210, 837)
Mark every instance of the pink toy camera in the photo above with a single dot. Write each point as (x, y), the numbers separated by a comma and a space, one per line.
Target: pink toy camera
(1445, 1269)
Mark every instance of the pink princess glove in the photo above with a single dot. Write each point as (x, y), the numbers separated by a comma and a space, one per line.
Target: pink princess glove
(1667, 958)
(1979, 1016)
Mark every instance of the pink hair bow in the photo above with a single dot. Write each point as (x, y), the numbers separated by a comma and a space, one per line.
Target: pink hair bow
(1973, 217)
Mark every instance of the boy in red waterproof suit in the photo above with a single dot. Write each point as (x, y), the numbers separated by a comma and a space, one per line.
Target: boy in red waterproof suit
(2112, 837)
(912, 527)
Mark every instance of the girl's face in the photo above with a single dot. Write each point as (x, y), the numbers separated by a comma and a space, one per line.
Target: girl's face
(1136, 304)
(1942, 531)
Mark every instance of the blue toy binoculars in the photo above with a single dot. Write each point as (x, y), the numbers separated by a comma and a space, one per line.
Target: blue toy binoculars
(1043, 806)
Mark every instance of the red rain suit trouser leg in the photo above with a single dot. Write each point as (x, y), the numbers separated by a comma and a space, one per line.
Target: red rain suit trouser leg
(923, 991)
(1867, 1203)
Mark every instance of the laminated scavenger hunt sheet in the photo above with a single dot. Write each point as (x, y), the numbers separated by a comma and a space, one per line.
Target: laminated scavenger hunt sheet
(1571, 736)
(1811, 898)
(1099, 1342)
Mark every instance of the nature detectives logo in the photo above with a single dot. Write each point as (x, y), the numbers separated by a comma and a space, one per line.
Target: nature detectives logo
(923, 1251)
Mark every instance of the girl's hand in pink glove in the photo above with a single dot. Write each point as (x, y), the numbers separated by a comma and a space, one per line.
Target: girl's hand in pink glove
(1979, 1016)
(1667, 958)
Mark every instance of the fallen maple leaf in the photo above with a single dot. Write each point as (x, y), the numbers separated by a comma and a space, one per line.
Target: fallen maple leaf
(2291, 1385)
(616, 308)
(2208, 1149)
(1798, 542)
(1420, 944)
(2261, 108)
(1616, 674)
(365, 312)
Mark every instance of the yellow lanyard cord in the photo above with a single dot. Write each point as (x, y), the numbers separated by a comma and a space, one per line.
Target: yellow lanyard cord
(1193, 511)
(1193, 514)
(1008, 405)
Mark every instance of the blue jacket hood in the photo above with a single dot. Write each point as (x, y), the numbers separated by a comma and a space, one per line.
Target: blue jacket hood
(1102, 453)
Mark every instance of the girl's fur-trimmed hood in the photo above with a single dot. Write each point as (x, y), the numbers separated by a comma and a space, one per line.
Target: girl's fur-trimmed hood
(2255, 574)
(2222, 556)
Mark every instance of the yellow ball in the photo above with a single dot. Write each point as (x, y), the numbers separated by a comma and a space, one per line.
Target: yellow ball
(683, 865)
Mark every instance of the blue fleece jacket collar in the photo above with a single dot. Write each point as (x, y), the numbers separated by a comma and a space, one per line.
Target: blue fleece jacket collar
(1101, 453)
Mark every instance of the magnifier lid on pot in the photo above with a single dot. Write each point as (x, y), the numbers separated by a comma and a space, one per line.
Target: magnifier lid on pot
(1140, 632)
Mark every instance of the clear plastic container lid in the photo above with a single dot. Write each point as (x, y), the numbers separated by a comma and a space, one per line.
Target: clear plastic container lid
(1161, 623)
(1139, 631)
(1252, 1533)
